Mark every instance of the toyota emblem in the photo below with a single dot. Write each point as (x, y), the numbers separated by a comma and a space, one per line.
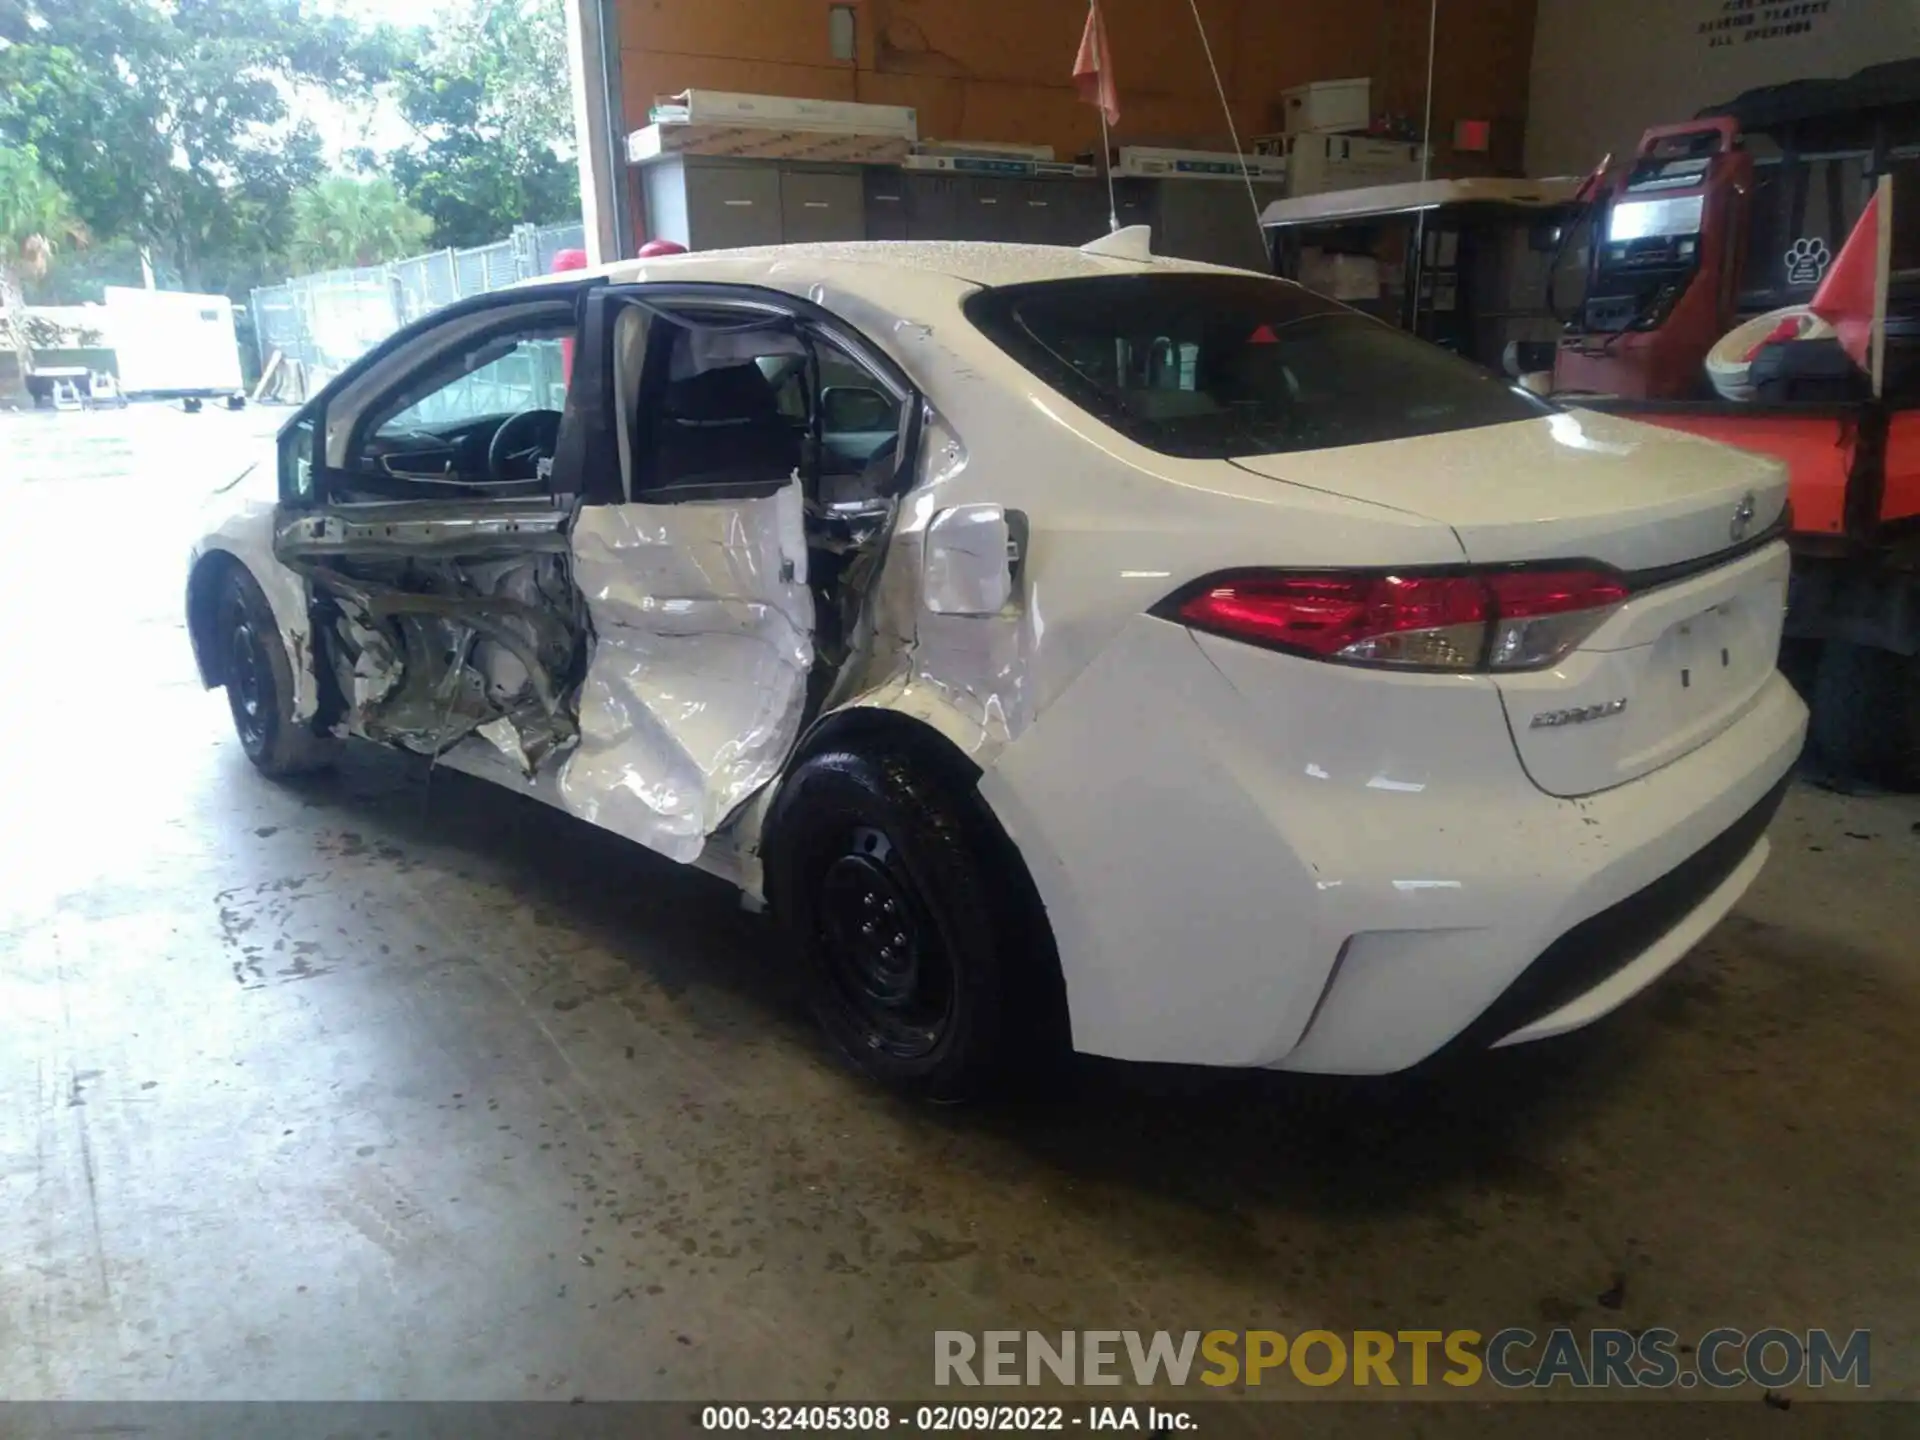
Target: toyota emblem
(1742, 518)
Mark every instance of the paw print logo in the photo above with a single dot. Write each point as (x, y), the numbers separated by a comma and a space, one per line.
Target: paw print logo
(1807, 260)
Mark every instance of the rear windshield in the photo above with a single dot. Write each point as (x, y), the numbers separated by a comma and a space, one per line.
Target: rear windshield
(1214, 366)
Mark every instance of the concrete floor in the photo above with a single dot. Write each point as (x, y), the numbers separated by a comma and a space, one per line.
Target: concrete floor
(365, 1088)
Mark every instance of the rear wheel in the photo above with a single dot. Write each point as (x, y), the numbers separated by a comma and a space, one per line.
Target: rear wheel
(927, 964)
(259, 682)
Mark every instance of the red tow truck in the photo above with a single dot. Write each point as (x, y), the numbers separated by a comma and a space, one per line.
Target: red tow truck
(1732, 215)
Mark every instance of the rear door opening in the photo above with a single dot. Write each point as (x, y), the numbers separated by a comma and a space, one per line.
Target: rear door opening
(615, 544)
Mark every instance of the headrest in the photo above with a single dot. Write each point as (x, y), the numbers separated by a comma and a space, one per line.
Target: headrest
(737, 392)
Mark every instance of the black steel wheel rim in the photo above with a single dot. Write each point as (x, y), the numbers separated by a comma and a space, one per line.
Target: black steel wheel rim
(249, 686)
(884, 956)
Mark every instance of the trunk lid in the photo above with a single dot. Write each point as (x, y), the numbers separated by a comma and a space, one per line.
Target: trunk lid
(1684, 656)
(1576, 485)
(1669, 670)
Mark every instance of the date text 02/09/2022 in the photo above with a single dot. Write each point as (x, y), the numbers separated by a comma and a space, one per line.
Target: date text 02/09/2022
(942, 1419)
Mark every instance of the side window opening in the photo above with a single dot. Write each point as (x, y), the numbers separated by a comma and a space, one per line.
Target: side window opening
(724, 404)
(485, 416)
(726, 409)
(712, 419)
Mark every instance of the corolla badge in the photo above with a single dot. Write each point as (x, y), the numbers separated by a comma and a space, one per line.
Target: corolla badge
(1743, 514)
(1578, 715)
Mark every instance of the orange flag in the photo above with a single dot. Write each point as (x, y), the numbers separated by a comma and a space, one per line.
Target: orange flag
(1093, 66)
(1853, 296)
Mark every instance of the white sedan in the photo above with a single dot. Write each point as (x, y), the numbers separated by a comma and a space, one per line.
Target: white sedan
(1069, 646)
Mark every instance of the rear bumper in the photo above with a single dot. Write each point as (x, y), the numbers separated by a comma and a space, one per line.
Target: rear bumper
(1252, 859)
(1610, 957)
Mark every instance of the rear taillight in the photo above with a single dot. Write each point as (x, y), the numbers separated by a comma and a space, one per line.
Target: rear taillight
(1484, 620)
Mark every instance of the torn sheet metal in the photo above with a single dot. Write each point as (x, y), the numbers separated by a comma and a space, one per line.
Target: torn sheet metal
(965, 672)
(697, 681)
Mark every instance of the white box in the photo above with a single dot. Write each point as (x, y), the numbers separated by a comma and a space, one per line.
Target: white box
(1327, 107)
(984, 147)
(1318, 163)
(773, 127)
(996, 164)
(753, 142)
(1154, 162)
(783, 112)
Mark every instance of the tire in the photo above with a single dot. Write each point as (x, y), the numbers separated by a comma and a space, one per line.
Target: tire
(928, 960)
(259, 682)
(1851, 735)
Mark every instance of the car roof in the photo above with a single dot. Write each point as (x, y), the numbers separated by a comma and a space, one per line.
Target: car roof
(914, 279)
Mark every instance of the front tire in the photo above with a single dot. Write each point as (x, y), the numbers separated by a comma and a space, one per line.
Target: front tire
(259, 682)
(927, 961)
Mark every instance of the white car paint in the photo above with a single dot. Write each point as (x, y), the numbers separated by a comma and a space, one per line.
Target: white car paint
(239, 522)
(1246, 857)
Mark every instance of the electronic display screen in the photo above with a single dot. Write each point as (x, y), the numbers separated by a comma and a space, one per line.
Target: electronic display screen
(1638, 219)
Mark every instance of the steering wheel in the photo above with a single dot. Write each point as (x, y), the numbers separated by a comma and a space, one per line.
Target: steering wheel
(522, 440)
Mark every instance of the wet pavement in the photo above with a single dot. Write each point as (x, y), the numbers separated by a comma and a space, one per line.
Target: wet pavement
(368, 1087)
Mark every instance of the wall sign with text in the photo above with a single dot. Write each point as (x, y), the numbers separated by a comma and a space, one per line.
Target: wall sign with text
(1747, 22)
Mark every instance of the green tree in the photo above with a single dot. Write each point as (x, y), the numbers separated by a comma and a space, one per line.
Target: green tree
(169, 123)
(36, 218)
(490, 102)
(343, 222)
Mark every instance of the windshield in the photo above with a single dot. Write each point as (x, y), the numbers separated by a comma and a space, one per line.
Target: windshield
(1216, 366)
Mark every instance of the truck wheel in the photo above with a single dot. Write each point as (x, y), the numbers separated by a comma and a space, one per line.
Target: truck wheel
(1852, 735)
(925, 967)
(259, 683)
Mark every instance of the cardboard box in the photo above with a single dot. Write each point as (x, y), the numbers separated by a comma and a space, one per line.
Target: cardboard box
(1327, 107)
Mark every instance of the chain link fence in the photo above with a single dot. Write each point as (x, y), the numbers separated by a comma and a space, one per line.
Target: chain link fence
(320, 324)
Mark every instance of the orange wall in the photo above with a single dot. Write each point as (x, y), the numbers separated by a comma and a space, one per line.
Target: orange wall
(986, 70)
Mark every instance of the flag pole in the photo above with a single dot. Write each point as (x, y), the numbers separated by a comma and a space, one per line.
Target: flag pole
(1106, 164)
(1882, 277)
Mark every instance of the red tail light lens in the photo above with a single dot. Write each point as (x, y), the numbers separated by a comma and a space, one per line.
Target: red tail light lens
(1497, 620)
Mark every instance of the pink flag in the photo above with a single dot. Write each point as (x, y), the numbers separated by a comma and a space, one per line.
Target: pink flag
(1853, 297)
(1093, 66)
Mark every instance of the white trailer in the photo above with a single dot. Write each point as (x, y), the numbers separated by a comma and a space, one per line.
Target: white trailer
(172, 345)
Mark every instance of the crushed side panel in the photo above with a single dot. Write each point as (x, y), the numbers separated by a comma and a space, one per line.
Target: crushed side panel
(696, 683)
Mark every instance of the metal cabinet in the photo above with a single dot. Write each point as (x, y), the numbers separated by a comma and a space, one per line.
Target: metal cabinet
(1212, 220)
(708, 203)
(887, 206)
(933, 207)
(1063, 212)
(821, 205)
(1009, 209)
(987, 208)
(712, 205)
(1136, 202)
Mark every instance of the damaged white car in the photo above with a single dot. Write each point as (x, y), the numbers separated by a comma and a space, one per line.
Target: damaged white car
(1068, 645)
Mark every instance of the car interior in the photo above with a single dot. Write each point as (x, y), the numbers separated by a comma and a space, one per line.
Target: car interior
(486, 415)
(728, 409)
